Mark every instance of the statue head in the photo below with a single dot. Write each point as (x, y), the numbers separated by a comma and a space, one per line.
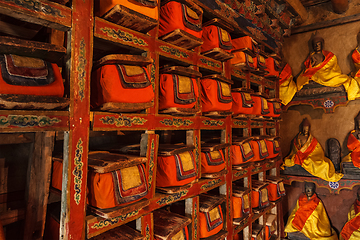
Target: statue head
(317, 44)
(357, 122)
(305, 127)
(310, 189)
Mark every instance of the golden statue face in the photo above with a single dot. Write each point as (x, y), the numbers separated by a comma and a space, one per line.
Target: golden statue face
(309, 191)
(317, 46)
(305, 130)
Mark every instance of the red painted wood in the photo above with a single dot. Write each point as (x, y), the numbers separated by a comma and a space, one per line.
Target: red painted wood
(73, 206)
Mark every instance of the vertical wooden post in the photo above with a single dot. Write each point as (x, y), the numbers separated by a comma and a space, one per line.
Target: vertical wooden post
(145, 224)
(80, 44)
(37, 191)
(192, 211)
(3, 182)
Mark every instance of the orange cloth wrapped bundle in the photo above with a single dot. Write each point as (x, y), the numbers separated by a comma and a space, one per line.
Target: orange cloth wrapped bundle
(177, 91)
(242, 151)
(215, 37)
(245, 44)
(175, 15)
(111, 189)
(211, 219)
(270, 228)
(260, 149)
(212, 161)
(275, 188)
(147, 7)
(273, 67)
(259, 195)
(273, 147)
(116, 83)
(274, 108)
(242, 102)
(240, 201)
(29, 76)
(176, 170)
(261, 106)
(215, 94)
(243, 60)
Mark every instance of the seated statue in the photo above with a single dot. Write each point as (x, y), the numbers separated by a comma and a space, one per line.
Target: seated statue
(309, 220)
(321, 66)
(356, 58)
(307, 152)
(353, 144)
(287, 88)
(351, 230)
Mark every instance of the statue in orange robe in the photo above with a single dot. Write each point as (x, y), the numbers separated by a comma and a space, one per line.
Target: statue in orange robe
(287, 87)
(307, 152)
(356, 59)
(322, 67)
(351, 230)
(309, 218)
(353, 144)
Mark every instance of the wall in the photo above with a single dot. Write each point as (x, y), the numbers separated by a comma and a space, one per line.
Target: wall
(341, 40)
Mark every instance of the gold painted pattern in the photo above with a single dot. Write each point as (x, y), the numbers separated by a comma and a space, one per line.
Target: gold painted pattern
(184, 84)
(215, 154)
(186, 161)
(27, 62)
(214, 214)
(247, 148)
(133, 70)
(264, 195)
(246, 201)
(130, 177)
(225, 88)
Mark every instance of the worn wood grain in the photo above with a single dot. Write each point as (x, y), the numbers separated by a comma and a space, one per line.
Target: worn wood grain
(180, 70)
(124, 107)
(16, 138)
(120, 233)
(208, 202)
(167, 224)
(218, 77)
(214, 175)
(176, 111)
(12, 101)
(104, 162)
(123, 59)
(180, 38)
(39, 175)
(171, 149)
(12, 216)
(299, 9)
(218, 54)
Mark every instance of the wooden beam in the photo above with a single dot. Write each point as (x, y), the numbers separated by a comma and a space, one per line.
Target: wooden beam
(299, 8)
(326, 24)
(12, 216)
(37, 192)
(16, 138)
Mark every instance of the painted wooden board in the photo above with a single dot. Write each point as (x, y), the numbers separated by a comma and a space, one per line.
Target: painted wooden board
(120, 233)
(43, 13)
(46, 51)
(27, 102)
(168, 224)
(208, 202)
(103, 162)
(110, 121)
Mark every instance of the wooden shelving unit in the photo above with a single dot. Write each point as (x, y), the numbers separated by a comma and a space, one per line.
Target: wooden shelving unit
(85, 34)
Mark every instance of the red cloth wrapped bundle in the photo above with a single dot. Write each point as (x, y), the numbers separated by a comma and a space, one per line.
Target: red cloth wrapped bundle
(261, 106)
(242, 151)
(175, 15)
(240, 201)
(243, 60)
(274, 108)
(112, 189)
(119, 84)
(211, 222)
(30, 76)
(246, 44)
(272, 66)
(176, 170)
(273, 147)
(242, 103)
(177, 91)
(260, 149)
(215, 95)
(212, 162)
(271, 226)
(215, 37)
(259, 195)
(275, 188)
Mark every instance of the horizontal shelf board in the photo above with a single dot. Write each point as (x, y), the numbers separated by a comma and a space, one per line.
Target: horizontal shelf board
(166, 122)
(111, 121)
(44, 13)
(174, 52)
(209, 63)
(115, 33)
(211, 123)
(33, 121)
(239, 228)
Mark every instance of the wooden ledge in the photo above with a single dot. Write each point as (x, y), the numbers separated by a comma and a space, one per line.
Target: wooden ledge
(209, 202)
(123, 232)
(179, 70)
(239, 191)
(13, 101)
(117, 211)
(125, 59)
(218, 54)
(175, 189)
(209, 147)
(214, 175)
(217, 114)
(176, 111)
(219, 236)
(218, 77)
(104, 162)
(172, 149)
(180, 38)
(124, 107)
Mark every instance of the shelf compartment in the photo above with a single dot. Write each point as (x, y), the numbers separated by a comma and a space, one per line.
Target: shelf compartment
(102, 121)
(33, 121)
(44, 13)
(111, 32)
